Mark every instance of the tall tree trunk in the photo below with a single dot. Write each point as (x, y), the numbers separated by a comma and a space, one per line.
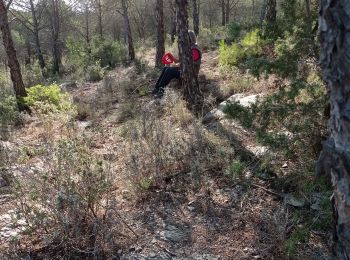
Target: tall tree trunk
(223, 13)
(127, 31)
(335, 156)
(263, 12)
(100, 25)
(55, 34)
(189, 78)
(173, 21)
(195, 15)
(28, 58)
(270, 15)
(227, 12)
(308, 17)
(87, 23)
(13, 63)
(160, 33)
(38, 51)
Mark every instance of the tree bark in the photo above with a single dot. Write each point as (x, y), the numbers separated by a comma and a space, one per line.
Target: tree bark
(308, 17)
(173, 21)
(335, 156)
(223, 13)
(263, 12)
(13, 63)
(270, 15)
(195, 15)
(55, 34)
(227, 12)
(87, 23)
(160, 33)
(99, 11)
(127, 31)
(189, 79)
(38, 51)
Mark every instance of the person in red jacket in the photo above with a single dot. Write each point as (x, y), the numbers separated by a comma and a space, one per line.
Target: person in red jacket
(169, 73)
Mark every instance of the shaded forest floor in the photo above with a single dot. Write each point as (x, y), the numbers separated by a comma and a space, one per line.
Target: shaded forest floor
(188, 213)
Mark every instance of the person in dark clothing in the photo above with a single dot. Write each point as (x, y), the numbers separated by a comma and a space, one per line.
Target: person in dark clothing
(169, 73)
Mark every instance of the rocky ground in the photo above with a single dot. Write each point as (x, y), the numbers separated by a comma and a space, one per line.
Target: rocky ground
(221, 220)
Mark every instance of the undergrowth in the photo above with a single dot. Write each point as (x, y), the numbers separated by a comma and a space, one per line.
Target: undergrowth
(69, 205)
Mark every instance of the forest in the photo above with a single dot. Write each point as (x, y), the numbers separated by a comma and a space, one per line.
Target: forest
(178, 129)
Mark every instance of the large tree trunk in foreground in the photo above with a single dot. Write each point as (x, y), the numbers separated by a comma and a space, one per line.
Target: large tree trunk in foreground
(160, 33)
(335, 157)
(189, 79)
(13, 63)
(127, 31)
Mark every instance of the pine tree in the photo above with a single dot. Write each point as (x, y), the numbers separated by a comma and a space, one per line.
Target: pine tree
(13, 63)
(189, 79)
(127, 30)
(335, 157)
(160, 33)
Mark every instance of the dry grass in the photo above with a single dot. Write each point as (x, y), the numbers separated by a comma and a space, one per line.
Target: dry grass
(160, 165)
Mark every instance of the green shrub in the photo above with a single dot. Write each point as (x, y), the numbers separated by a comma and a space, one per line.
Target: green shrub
(234, 31)
(208, 38)
(230, 55)
(300, 235)
(8, 111)
(258, 66)
(90, 60)
(94, 72)
(48, 99)
(235, 54)
(108, 52)
(252, 42)
(236, 169)
(4, 80)
(236, 110)
(32, 74)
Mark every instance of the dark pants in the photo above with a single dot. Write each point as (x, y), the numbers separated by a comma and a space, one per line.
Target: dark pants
(168, 73)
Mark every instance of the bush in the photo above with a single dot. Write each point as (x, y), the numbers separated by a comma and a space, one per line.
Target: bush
(89, 61)
(32, 74)
(4, 80)
(236, 169)
(209, 38)
(206, 38)
(159, 147)
(108, 52)
(230, 55)
(94, 72)
(252, 43)
(250, 46)
(48, 99)
(234, 31)
(8, 111)
(70, 205)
